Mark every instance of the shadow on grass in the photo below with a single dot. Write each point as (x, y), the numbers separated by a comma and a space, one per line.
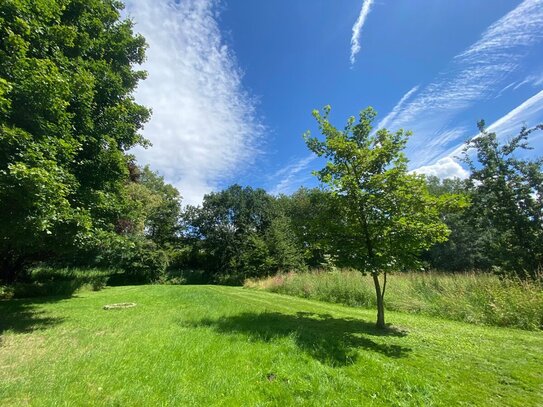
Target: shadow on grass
(24, 316)
(334, 341)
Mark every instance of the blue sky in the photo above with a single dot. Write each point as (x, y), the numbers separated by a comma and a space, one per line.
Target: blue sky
(232, 83)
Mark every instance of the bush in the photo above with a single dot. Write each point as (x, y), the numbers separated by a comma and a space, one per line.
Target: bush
(50, 281)
(140, 259)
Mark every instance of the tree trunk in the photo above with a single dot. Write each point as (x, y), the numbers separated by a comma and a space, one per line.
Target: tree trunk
(380, 304)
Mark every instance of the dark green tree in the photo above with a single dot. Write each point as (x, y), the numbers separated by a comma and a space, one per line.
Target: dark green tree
(466, 246)
(67, 118)
(507, 200)
(316, 224)
(389, 215)
(161, 214)
(242, 234)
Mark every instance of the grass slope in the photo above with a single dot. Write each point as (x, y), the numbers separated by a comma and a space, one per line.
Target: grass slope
(204, 345)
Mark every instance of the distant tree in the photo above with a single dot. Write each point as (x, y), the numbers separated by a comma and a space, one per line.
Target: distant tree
(316, 224)
(507, 200)
(162, 220)
(391, 216)
(466, 246)
(242, 234)
(67, 118)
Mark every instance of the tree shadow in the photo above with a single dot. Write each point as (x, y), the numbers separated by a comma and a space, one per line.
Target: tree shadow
(24, 316)
(330, 340)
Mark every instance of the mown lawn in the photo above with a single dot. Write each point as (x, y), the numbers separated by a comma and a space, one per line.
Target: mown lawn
(212, 345)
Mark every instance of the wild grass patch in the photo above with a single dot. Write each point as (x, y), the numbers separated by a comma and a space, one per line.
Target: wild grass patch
(476, 298)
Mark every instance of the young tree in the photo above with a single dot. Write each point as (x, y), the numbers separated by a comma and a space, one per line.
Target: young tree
(391, 216)
(508, 200)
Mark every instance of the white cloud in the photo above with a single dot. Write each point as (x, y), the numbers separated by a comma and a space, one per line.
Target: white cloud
(203, 127)
(446, 167)
(394, 112)
(471, 77)
(290, 174)
(357, 29)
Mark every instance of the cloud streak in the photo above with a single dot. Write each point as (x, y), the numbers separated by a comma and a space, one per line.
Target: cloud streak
(529, 113)
(397, 109)
(357, 29)
(203, 127)
(472, 76)
(290, 176)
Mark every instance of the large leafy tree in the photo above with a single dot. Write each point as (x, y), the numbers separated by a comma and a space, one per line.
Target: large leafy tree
(389, 215)
(67, 116)
(507, 200)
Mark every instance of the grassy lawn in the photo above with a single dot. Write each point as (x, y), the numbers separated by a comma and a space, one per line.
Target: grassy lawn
(212, 345)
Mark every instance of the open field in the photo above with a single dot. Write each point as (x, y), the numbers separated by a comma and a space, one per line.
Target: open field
(213, 345)
(471, 297)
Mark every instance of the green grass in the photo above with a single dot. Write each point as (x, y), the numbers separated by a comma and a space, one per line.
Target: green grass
(481, 299)
(213, 345)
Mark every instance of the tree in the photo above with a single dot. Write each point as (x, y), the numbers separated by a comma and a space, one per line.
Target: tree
(160, 209)
(390, 215)
(465, 248)
(508, 200)
(67, 118)
(242, 234)
(316, 224)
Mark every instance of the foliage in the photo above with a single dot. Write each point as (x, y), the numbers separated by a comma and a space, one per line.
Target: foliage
(67, 117)
(508, 200)
(52, 281)
(161, 218)
(389, 215)
(466, 247)
(474, 298)
(239, 233)
(141, 259)
(256, 348)
(315, 223)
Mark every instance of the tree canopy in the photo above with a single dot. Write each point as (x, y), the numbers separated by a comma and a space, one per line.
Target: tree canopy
(67, 118)
(389, 215)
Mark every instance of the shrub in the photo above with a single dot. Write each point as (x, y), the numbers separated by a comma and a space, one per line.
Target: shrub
(50, 281)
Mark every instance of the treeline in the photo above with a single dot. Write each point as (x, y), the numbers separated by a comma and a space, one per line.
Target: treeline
(71, 194)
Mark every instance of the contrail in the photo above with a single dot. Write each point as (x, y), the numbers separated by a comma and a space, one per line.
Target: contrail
(357, 28)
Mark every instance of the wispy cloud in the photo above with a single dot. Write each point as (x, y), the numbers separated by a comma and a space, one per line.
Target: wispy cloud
(357, 29)
(534, 80)
(471, 77)
(291, 177)
(203, 127)
(528, 113)
(397, 109)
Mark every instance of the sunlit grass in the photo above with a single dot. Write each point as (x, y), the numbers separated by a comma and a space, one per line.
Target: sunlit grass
(187, 345)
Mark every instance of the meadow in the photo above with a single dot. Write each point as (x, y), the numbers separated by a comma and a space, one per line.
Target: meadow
(470, 297)
(229, 346)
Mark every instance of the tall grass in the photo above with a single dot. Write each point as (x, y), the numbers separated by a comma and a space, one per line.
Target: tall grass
(476, 298)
